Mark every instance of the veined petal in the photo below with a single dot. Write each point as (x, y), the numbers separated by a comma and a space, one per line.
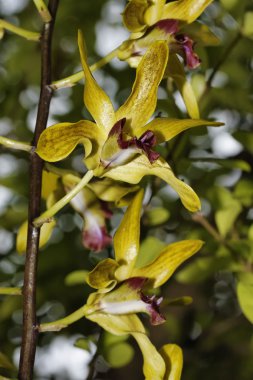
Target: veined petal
(173, 356)
(102, 276)
(133, 15)
(171, 257)
(154, 12)
(96, 100)
(185, 10)
(153, 363)
(49, 183)
(118, 325)
(59, 140)
(176, 71)
(127, 238)
(141, 103)
(165, 129)
(135, 170)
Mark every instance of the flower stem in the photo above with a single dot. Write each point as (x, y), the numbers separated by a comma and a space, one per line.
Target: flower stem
(43, 10)
(9, 143)
(66, 321)
(11, 291)
(31, 36)
(73, 79)
(30, 332)
(46, 216)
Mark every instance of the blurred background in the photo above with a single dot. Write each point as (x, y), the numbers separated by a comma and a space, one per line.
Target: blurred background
(215, 331)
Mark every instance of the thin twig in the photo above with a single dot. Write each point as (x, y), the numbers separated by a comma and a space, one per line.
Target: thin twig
(201, 219)
(29, 337)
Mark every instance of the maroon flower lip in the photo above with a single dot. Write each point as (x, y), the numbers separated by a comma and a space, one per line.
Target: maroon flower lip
(183, 44)
(152, 302)
(145, 142)
(187, 45)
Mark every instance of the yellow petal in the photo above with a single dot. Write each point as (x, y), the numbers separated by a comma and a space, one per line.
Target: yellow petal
(165, 129)
(185, 10)
(45, 234)
(133, 15)
(111, 191)
(135, 170)
(102, 276)
(127, 238)
(154, 12)
(171, 257)
(141, 103)
(96, 100)
(173, 357)
(49, 183)
(118, 324)
(59, 140)
(177, 73)
(153, 364)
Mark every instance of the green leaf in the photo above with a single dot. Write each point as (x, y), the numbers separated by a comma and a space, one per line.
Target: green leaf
(245, 138)
(247, 28)
(156, 216)
(226, 217)
(201, 269)
(83, 343)
(244, 192)
(119, 355)
(244, 293)
(229, 164)
(76, 277)
(5, 362)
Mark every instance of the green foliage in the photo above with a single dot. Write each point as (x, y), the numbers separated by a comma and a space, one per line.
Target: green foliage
(215, 332)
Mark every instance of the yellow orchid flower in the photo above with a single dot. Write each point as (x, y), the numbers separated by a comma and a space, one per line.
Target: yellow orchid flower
(119, 293)
(141, 14)
(119, 296)
(92, 203)
(119, 144)
(150, 21)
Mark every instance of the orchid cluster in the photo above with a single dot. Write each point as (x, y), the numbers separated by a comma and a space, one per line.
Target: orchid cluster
(120, 148)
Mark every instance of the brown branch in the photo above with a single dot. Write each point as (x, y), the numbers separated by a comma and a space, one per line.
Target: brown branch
(29, 336)
(201, 219)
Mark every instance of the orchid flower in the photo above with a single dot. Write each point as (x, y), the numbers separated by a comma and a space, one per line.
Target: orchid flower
(119, 295)
(119, 145)
(92, 203)
(141, 14)
(149, 21)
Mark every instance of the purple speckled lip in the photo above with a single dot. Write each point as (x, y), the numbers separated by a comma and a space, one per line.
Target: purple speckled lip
(145, 142)
(183, 44)
(187, 45)
(152, 302)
